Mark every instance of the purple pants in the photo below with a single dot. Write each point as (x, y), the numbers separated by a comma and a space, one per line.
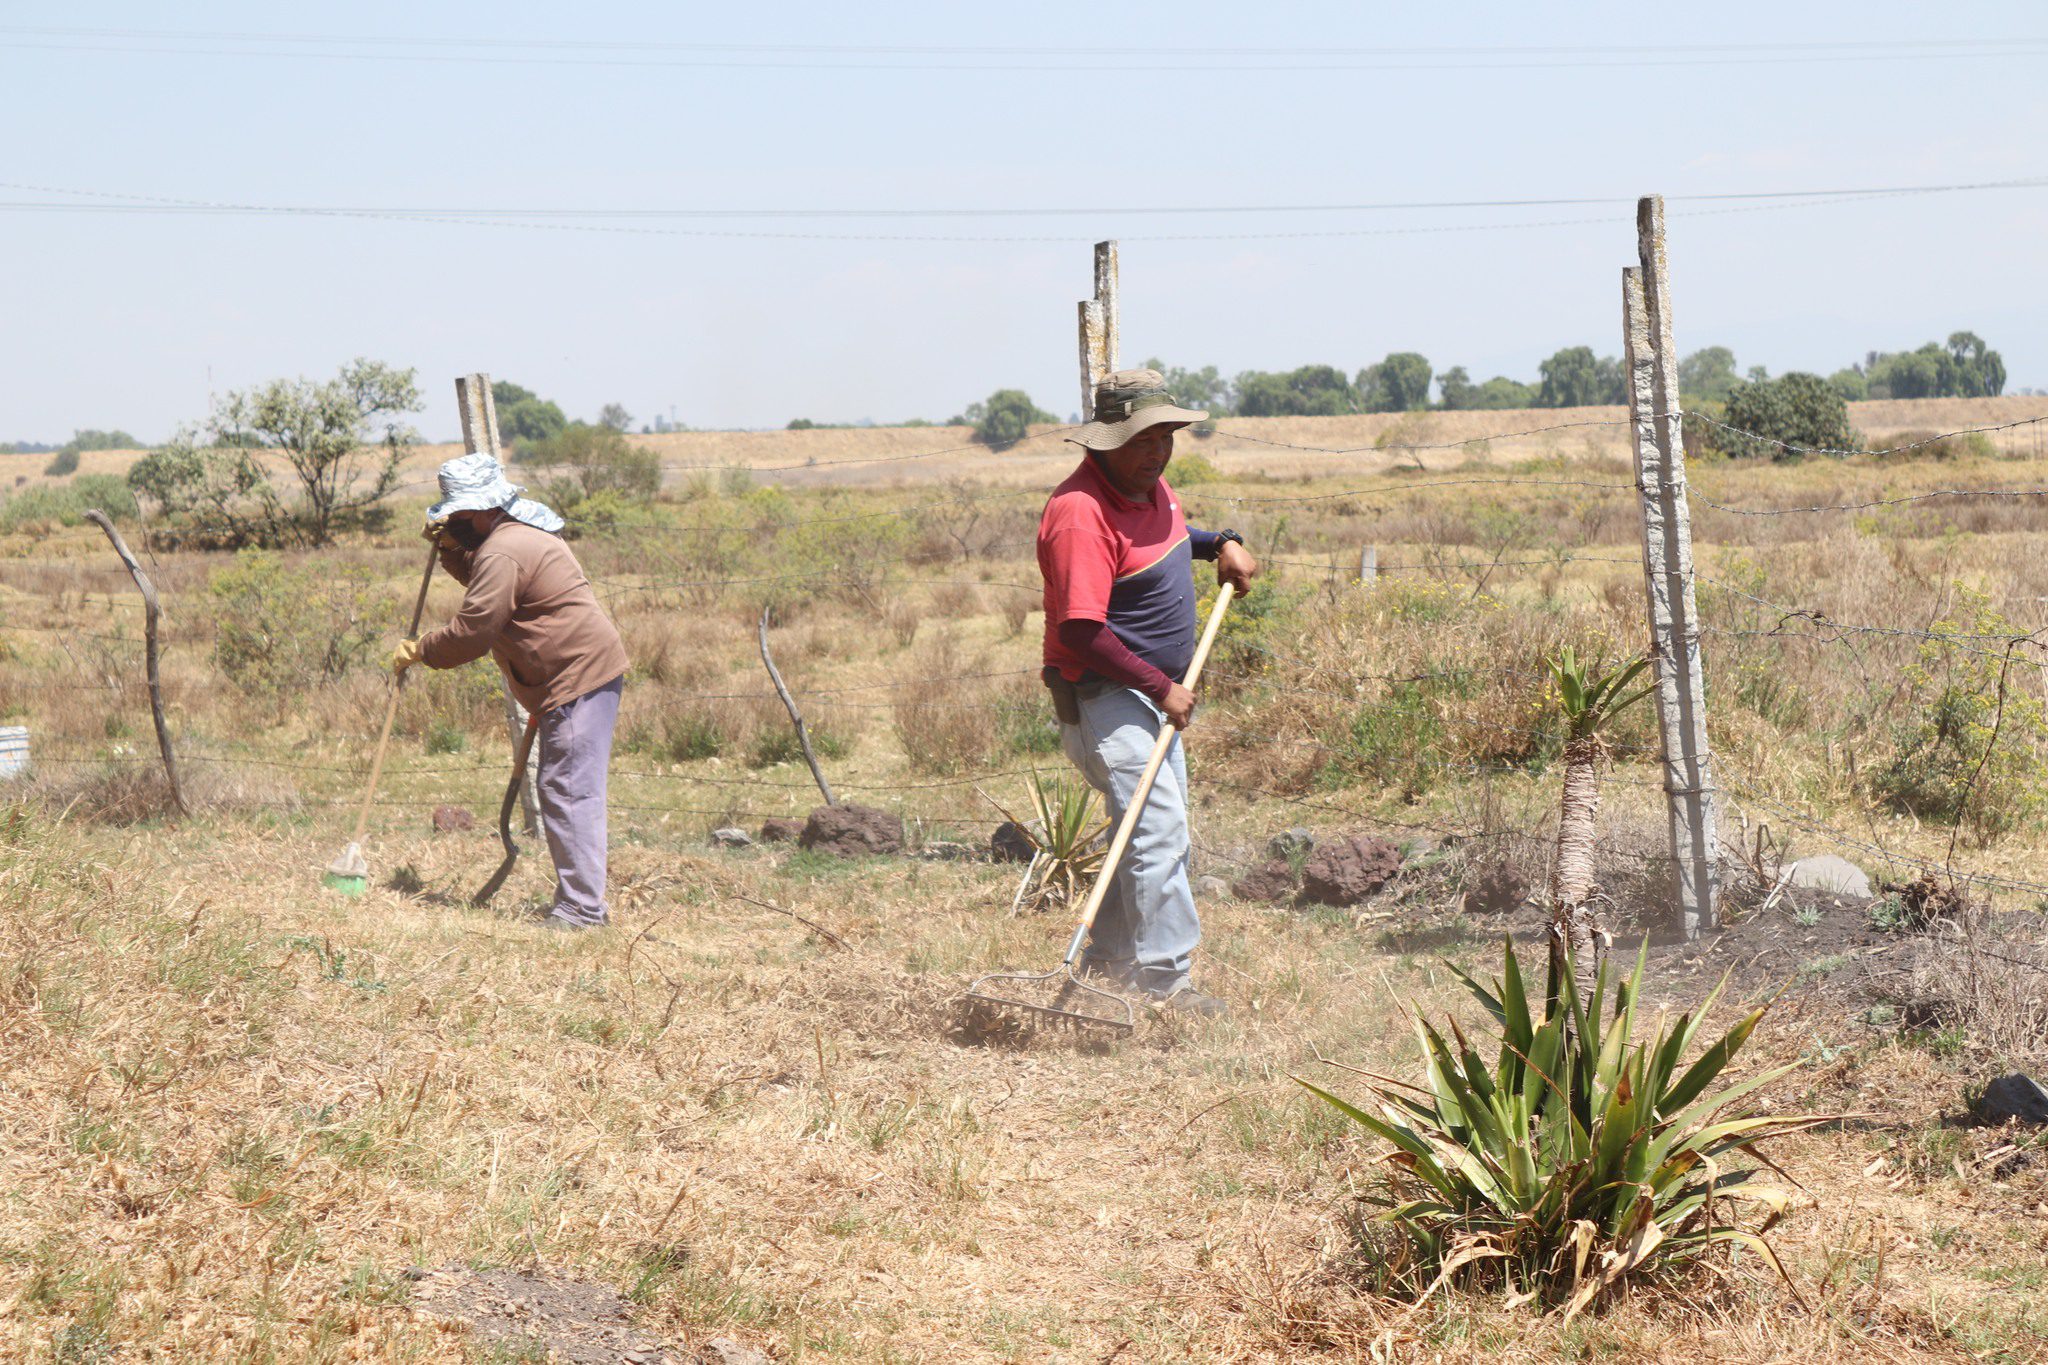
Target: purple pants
(575, 744)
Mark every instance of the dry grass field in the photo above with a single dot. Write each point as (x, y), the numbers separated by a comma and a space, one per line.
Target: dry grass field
(242, 1114)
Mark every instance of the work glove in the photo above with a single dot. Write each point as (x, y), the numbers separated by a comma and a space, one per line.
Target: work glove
(405, 656)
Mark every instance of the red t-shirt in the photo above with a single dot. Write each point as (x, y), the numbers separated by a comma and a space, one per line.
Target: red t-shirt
(1107, 558)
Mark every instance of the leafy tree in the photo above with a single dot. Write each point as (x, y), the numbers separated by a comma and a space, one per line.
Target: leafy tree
(615, 416)
(1502, 392)
(801, 424)
(1005, 417)
(341, 439)
(1456, 387)
(523, 415)
(65, 461)
(1310, 391)
(1400, 383)
(1964, 368)
(1979, 370)
(1571, 379)
(1707, 375)
(1203, 388)
(1850, 383)
(1797, 409)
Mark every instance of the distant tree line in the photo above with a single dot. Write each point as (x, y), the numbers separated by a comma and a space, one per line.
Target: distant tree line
(1571, 378)
(64, 458)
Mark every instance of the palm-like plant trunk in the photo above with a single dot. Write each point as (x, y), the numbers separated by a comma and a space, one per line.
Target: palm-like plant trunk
(1572, 923)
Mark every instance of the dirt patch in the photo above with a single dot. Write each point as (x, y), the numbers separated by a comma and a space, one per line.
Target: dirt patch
(569, 1320)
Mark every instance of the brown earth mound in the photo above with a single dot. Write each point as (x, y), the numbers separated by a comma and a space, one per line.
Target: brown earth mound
(852, 831)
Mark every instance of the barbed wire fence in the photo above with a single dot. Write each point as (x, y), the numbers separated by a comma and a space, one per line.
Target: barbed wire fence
(659, 565)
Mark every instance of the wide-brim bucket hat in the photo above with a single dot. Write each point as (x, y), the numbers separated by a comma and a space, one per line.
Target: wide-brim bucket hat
(477, 483)
(1127, 403)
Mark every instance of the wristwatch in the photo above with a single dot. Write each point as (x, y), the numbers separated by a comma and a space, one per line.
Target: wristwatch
(1227, 534)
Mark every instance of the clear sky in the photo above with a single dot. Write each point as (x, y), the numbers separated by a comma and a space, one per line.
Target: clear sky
(130, 319)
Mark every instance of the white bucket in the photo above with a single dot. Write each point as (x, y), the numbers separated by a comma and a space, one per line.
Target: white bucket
(13, 751)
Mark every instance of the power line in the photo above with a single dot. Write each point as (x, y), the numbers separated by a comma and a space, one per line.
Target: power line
(137, 202)
(1063, 61)
(535, 211)
(900, 49)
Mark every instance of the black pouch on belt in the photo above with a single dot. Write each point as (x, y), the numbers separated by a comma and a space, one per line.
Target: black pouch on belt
(1066, 702)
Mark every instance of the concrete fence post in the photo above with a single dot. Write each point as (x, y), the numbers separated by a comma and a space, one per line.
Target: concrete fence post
(1659, 442)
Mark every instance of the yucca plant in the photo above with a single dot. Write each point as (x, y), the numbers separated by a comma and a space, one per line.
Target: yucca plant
(1584, 1156)
(1589, 700)
(1066, 841)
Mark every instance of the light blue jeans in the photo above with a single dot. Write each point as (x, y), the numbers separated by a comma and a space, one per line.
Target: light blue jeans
(1147, 929)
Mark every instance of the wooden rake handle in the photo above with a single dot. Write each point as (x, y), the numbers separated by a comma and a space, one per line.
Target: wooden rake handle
(1160, 748)
(419, 608)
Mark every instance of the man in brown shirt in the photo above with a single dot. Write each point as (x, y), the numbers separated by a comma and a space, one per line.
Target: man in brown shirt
(529, 606)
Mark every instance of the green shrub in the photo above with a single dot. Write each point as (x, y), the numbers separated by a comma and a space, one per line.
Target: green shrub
(1795, 409)
(284, 629)
(1397, 742)
(1260, 620)
(1944, 766)
(689, 737)
(65, 461)
(445, 737)
(595, 460)
(1586, 1156)
(778, 745)
(1189, 471)
(66, 504)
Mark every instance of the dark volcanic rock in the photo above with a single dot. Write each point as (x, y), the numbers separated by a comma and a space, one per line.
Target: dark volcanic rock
(852, 831)
(452, 819)
(1274, 881)
(780, 830)
(1347, 869)
(2014, 1097)
(1010, 844)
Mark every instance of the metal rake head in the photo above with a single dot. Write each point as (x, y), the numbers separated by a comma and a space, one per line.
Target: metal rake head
(1071, 1003)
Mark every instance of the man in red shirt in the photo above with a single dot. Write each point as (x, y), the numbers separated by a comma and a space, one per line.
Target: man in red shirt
(1117, 557)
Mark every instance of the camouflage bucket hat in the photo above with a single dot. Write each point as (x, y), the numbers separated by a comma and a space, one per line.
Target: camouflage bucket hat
(477, 483)
(1128, 402)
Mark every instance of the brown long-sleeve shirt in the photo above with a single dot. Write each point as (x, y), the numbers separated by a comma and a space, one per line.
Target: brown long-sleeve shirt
(530, 607)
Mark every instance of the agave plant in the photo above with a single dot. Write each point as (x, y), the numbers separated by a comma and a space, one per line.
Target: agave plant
(1589, 699)
(1586, 1154)
(1066, 841)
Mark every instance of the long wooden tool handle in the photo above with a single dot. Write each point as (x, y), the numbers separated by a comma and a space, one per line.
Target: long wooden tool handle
(521, 753)
(1160, 749)
(419, 608)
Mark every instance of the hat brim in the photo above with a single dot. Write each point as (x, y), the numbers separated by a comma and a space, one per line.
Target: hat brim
(470, 502)
(1112, 435)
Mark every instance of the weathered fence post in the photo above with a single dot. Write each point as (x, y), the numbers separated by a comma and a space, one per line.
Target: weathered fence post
(480, 433)
(149, 655)
(1369, 565)
(1105, 294)
(1091, 355)
(1659, 441)
(1098, 318)
(796, 717)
